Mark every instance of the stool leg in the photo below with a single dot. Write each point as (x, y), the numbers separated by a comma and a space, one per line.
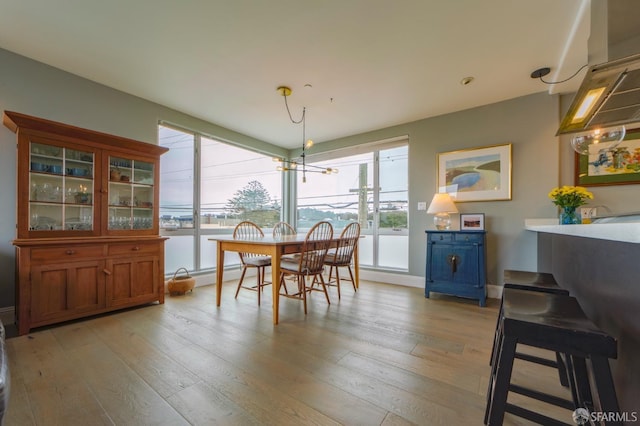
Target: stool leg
(495, 339)
(499, 382)
(497, 342)
(605, 388)
(562, 370)
(579, 377)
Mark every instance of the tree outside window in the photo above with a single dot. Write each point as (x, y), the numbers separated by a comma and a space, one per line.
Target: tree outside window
(254, 203)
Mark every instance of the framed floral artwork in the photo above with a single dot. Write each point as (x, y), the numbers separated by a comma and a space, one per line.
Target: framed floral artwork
(477, 174)
(605, 165)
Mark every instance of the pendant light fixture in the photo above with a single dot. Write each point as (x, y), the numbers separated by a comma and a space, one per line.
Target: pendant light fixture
(287, 165)
(601, 107)
(612, 136)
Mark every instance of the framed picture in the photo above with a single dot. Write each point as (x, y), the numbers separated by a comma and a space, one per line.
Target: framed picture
(477, 174)
(472, 222)
(606, 166)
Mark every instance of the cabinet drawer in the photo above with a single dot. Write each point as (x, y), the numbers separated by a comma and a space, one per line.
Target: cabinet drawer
(441, 237)
(133, 249)
(470, 238)
(66, 253)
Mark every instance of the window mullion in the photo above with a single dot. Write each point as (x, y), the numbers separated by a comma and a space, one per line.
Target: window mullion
(197, 208)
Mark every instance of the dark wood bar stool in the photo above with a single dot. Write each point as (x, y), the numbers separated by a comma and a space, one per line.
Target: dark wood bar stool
(535, 281)
(557, 323)
(542, 282)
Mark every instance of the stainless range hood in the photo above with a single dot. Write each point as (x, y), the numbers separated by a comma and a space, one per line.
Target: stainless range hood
(608, 96)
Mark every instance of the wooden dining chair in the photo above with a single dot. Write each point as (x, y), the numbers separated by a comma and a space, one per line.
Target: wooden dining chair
(308, 265)
(283, 228)
(249, 230)
(342, 255)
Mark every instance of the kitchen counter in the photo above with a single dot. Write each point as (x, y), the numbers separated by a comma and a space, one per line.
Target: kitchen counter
(623, 232)
(600, 266)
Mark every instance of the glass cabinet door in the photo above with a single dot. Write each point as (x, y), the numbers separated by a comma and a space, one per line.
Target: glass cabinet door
(131, 194)
(61, 188)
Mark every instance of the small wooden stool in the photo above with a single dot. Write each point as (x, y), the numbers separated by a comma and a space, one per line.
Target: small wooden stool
(557, 323)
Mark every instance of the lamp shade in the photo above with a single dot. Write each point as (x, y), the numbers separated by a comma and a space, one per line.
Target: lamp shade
(442, 203)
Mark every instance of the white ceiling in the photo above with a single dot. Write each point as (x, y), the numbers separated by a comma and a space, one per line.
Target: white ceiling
(371, 63)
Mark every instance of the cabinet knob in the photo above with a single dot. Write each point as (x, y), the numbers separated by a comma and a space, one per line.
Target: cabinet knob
(70, 252)
(106, 271)
(136, 248)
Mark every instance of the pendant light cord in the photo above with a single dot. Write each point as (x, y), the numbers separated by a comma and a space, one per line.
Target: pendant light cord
(557, 82)
(289, 111)
(304, 135)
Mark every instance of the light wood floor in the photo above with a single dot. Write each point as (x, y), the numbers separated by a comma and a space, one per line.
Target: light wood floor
(383, 356)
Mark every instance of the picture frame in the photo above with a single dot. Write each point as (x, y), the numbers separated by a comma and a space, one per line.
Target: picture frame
(472, 221)
(603, 166)
(476, 174)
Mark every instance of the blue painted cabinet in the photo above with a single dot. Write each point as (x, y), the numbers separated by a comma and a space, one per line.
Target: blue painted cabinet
(456, 264)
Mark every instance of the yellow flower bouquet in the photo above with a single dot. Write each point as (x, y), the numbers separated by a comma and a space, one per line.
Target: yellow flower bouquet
(570, 196)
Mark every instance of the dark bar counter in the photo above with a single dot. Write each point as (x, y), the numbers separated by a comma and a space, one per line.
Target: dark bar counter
(600, 266)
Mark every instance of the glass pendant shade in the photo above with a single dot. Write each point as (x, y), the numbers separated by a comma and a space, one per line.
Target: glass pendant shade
(581, 142)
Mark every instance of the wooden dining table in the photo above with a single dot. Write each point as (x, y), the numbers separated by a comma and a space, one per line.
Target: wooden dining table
(269, 246)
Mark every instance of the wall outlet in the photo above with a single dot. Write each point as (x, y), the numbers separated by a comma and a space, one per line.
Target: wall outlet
(422, 205)
(587, 213)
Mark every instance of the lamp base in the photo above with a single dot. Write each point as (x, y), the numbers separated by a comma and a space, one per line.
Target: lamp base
(442, 221)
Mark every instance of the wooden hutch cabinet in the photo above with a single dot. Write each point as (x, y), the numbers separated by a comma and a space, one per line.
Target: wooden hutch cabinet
(87, 222)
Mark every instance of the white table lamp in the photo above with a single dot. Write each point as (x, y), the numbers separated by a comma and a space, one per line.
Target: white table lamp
(441, 206)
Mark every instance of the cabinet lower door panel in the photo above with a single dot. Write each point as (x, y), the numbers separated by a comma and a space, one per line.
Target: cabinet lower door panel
(87, 291)
(132, 280)
(454, 263)
(65, 291)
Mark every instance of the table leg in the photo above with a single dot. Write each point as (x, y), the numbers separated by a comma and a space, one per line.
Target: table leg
(219, 272)
(276, 255)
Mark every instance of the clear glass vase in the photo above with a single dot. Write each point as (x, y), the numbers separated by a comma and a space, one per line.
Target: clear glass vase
(569, 216)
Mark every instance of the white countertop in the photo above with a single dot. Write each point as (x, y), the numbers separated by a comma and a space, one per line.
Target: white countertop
(624, 232)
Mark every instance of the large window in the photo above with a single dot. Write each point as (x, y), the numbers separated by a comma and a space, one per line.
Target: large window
(207, 187)
(177, 178)
(371, 188)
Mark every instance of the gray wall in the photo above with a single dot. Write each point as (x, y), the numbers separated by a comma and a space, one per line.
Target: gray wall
(540, 159)
(529, 124)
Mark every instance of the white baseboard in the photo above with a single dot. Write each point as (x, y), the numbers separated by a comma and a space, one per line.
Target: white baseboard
(210, 278)
(392, 278)
(493, 291)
